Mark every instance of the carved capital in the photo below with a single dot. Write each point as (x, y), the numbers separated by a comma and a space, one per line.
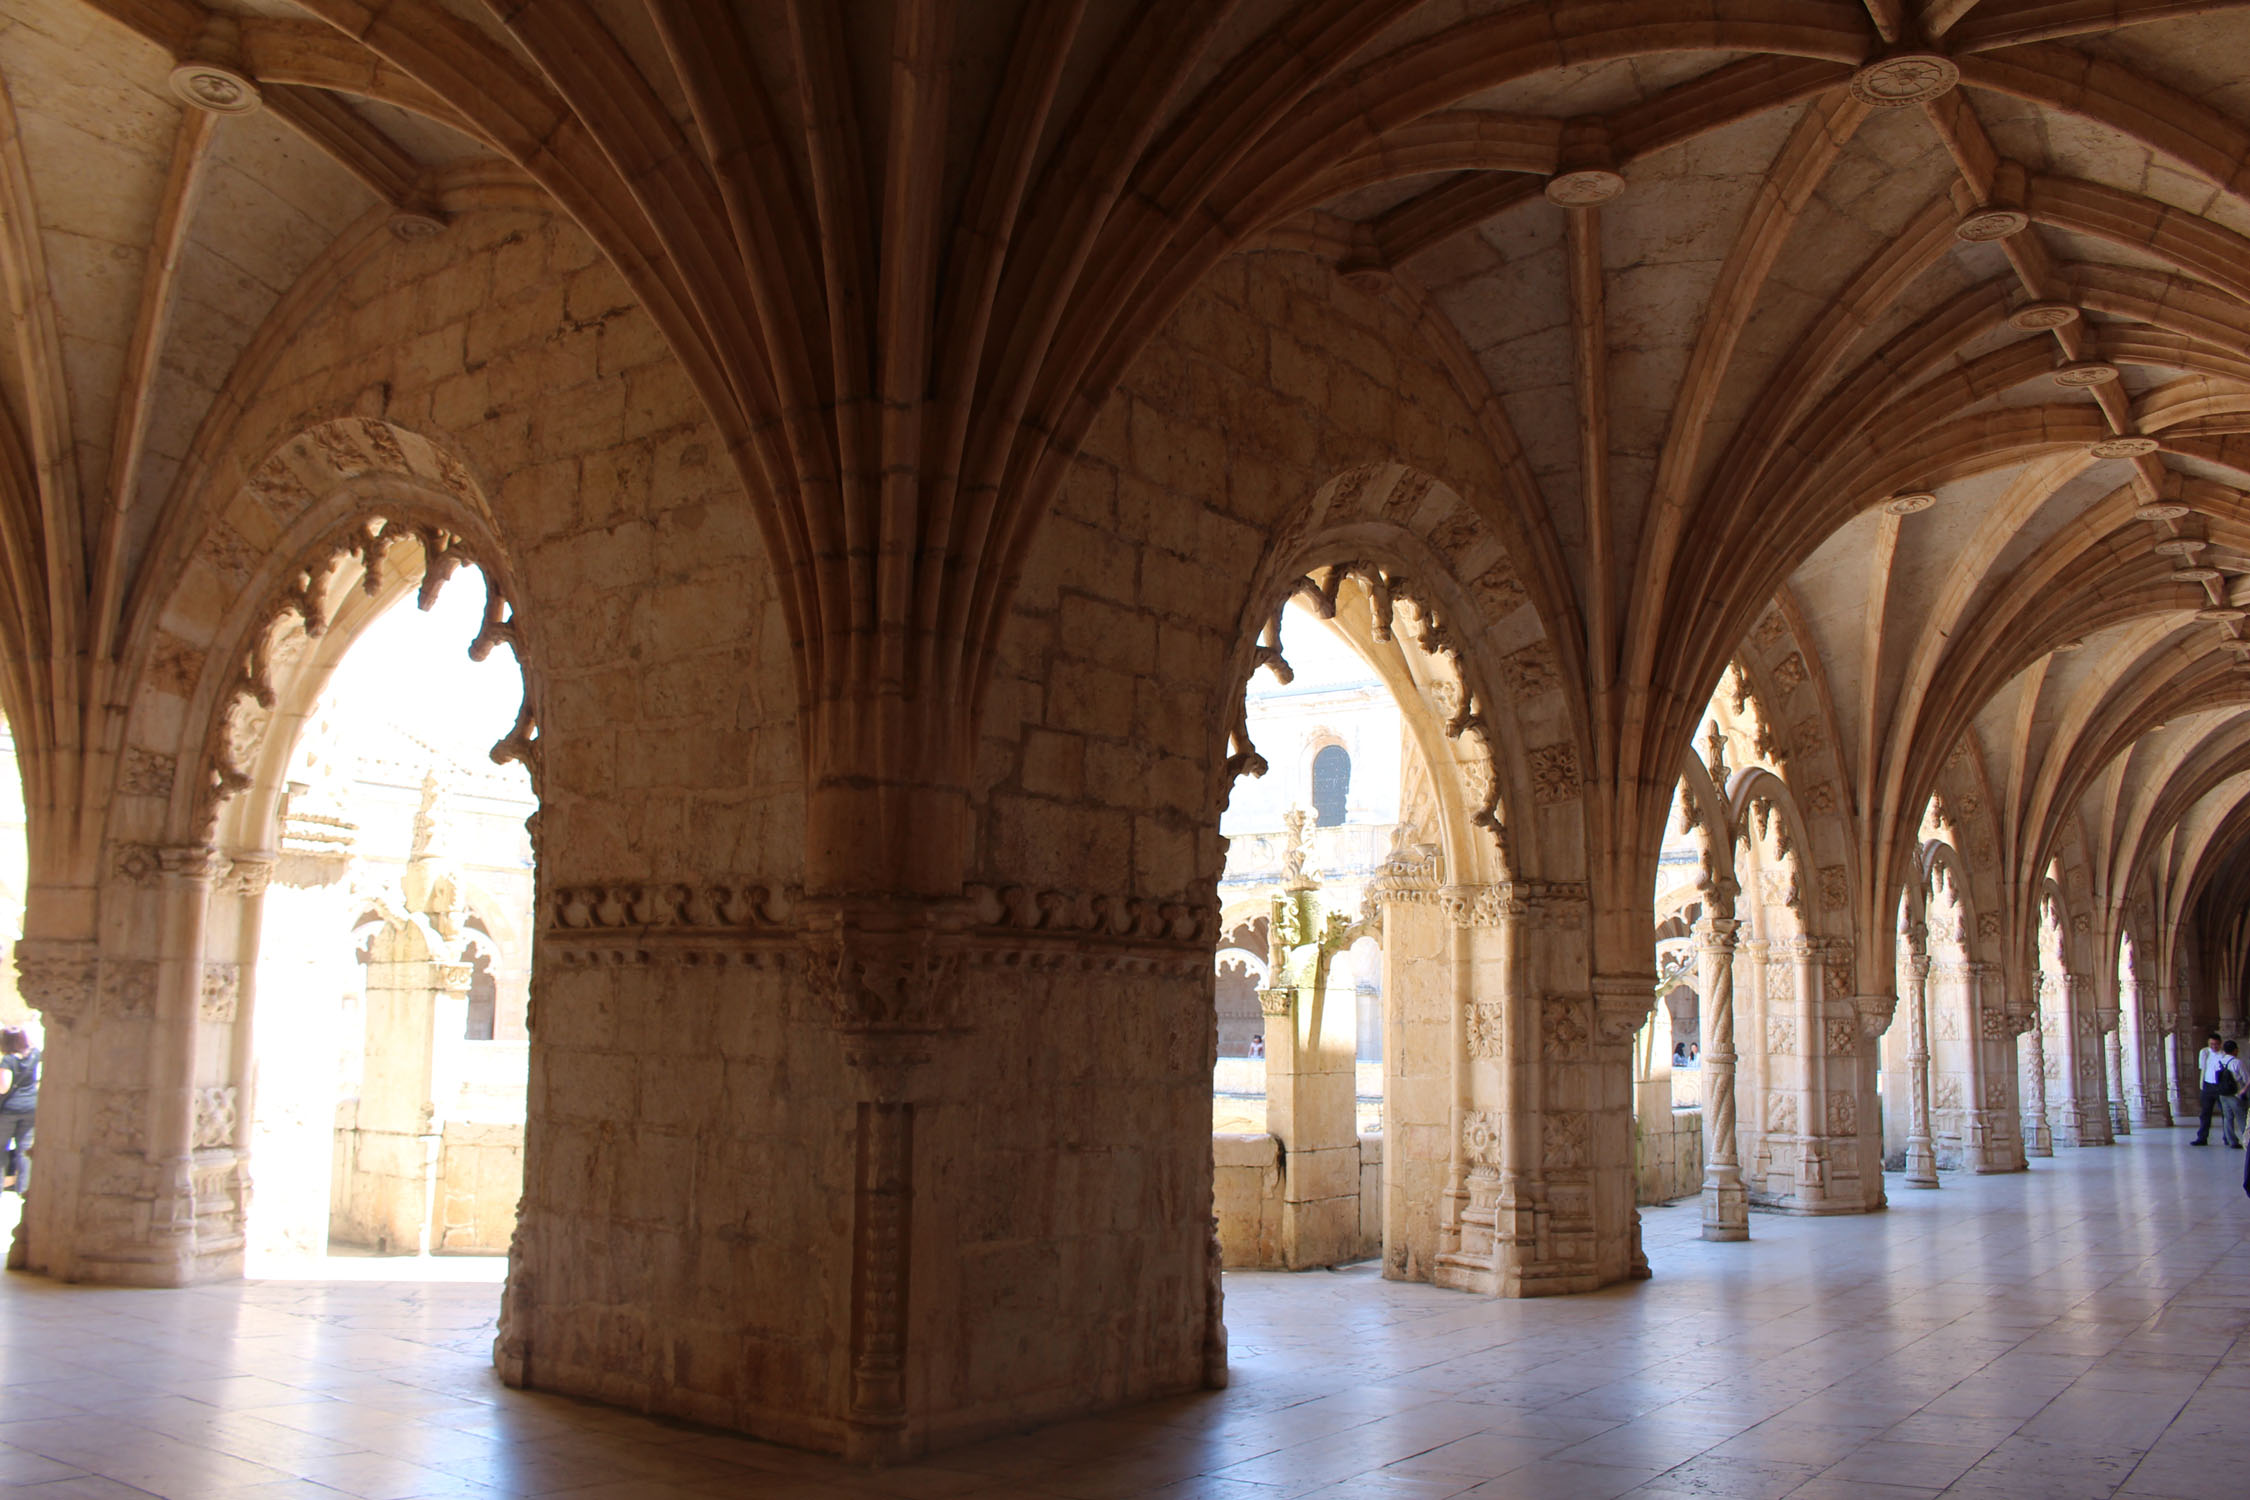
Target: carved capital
(885, 974)
(248, 875)
(1875, 1012)
(56, 977)
(1622, 1006)
(1276, 1002)
(192, 862)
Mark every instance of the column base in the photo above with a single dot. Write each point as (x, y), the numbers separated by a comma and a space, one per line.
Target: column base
(1726, 1205)
(1921, 1165)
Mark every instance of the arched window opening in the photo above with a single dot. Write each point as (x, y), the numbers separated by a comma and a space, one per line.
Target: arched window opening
(1331, 785)
(391, 1027)
(1313, 1058)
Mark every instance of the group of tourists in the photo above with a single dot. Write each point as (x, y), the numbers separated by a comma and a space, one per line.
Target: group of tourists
(2225, 1089)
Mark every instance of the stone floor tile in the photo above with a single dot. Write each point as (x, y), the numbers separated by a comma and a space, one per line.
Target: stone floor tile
(1551, 1480)
(1887, 1461)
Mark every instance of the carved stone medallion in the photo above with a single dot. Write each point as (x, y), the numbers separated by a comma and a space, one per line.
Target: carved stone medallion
(1905, 78)
(1584, 189)
(1989, 224)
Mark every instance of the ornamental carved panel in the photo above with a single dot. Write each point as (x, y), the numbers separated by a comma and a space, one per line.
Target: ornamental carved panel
(1781, 1112)
(1843, 1114)
(1530, 673)
(129, 988)
(222, 987)
(1487, 1034)
(1843, 1037)
(1565, 1023)
(1995, 1093)
(1781, 1035)
(1480, 1139)
(1554, 772)
(1835, 889)
(1949, 1025)
(1562, 1134)
(214, 1117)
(1789, 673)
(144, 773)
(1947, 1092)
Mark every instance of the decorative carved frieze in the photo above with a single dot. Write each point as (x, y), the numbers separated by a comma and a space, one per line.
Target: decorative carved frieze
(1022, 909)
(628, 922)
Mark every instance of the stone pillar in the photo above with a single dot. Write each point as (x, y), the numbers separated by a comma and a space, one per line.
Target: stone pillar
(1991, 1142)
(2088, 1092)
(1546, 1110)
(1622, 1004)
(2038, 1140)
(1921, 1155)
(2120, 1119)
(2148, 1090)
(1806, 1061)
(1311, 1083)
(1726, 1200)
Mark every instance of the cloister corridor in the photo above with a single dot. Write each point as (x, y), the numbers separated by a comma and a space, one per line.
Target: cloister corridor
(2073, 1332)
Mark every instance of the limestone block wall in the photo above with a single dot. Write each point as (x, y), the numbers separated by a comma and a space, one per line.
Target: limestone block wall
(1669, 1165)
(1246, 1197)
(1418, 990)
(1248, 1191)
(480, 1179)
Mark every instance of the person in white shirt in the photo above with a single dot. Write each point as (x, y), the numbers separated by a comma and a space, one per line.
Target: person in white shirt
(2207, 1081)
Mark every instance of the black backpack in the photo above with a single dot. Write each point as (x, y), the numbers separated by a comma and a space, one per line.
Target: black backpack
(2228, 1083)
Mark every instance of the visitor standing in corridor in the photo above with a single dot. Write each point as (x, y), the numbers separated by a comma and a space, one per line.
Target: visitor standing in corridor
(2207, 1081)
(19, 1103)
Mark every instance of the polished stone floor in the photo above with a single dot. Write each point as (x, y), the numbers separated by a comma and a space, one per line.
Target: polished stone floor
(2073, 1332)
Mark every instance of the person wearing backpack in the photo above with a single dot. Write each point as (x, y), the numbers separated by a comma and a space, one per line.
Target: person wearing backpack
(2234, 1094)
(19, 1067)
(2207, 1070)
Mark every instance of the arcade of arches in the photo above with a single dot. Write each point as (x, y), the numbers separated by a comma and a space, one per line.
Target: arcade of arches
(1787, 460)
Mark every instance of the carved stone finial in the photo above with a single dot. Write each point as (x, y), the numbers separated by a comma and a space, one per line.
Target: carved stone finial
(1295, 850)
(1715, 755)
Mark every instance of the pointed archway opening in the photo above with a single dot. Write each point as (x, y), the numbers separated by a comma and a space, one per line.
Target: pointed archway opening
(390, 1042)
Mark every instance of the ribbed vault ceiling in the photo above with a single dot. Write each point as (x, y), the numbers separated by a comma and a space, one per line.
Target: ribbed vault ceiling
(1804, 302)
